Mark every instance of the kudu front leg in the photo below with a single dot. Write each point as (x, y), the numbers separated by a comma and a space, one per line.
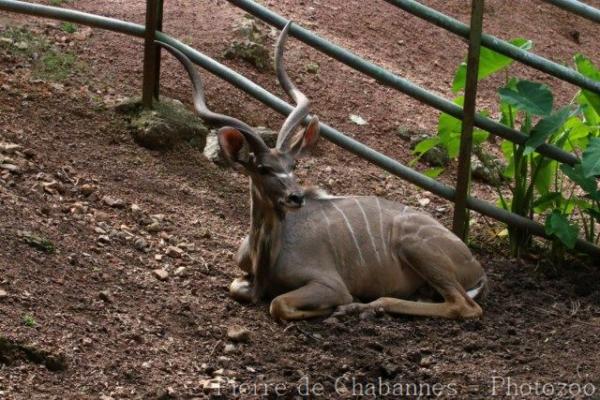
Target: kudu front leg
(312, 300)
(241, 289)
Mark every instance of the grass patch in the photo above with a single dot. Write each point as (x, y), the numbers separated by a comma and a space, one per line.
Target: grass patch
(68, 27)
(59, 2)
(22, 42)
(55, 65)
(47, 61)
(29, 321)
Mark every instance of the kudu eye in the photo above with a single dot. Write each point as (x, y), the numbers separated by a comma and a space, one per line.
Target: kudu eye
(263, 169)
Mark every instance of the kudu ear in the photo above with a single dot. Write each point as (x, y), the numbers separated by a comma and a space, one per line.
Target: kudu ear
(303, 141)
(231, 142)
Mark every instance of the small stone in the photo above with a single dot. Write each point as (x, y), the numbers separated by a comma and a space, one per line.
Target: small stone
(101, 215)
(331, 321)
(87, 189)
(161, 274)
(135, 209)
(424, 201)
(9, 148)
(113, 202)
(29, 153)
(140, 244)
(154, 227)
(22, 45)
(179, 271)
(229, 348)
(82, 34)
(312, 68)
(174, 251)
(104, 239)
(158, 257)
(238, 334)
(10, 168)
(105, 296)
(389, 370)
(426, 361)
(3, 293)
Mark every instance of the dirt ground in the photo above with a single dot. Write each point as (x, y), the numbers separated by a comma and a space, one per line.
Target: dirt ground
(83, 313)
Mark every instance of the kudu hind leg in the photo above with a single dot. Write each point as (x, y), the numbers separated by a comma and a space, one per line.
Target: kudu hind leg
(439, 271)
(312, 300)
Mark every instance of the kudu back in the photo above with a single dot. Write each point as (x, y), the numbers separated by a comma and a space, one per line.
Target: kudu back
(316, 253)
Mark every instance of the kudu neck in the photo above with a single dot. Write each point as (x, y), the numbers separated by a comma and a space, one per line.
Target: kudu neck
(263, 211)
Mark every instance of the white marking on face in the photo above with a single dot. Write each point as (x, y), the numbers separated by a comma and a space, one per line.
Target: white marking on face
(368, 229)
(349, 226)
(282, 175)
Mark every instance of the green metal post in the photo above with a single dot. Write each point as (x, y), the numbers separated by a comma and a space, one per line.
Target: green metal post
(159, 27)
(150, 69)
(460, 224)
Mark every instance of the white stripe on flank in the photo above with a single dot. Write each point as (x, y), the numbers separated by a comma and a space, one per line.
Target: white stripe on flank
(351, 232)
(368, 229)
(385, 249)
(283, 175)
(331, 242)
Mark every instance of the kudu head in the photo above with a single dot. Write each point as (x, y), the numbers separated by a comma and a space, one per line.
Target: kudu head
(271, 170)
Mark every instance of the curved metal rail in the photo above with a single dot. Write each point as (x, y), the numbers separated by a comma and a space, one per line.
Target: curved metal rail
(284, 108)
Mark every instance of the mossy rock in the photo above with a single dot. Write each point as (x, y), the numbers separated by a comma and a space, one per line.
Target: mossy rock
(255, 53)
(252, 43)
(169, 123)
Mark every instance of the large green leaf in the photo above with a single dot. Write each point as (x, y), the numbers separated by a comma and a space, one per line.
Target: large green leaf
(490, 62)
(590, 160)
(546, 127)
(449, 129)
(425, 145)
(559, 226)
(532, 97)
(577, 132)
(545, 175)
(587, 68)
(433, 172)
(591, 117)
(508, 149)
(576, 175)
(548, 200)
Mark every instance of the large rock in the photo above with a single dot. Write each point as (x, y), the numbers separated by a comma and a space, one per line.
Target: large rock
(213, 152)
(436, 156)
(251, 45)
(169, 123)
(486, 168)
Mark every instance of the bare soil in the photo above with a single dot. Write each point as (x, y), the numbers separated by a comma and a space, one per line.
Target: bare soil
(84, 315)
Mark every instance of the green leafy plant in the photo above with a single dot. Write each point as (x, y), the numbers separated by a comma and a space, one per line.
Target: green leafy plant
(29, 321)
(565, 197)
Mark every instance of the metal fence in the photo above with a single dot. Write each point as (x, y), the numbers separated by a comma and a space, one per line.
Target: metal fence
(470, 118)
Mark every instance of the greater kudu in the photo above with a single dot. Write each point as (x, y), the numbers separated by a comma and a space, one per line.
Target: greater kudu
(314, 252)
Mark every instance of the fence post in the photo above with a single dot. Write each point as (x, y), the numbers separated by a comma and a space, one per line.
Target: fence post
(460, 224)
(151, 52)
(157, 49)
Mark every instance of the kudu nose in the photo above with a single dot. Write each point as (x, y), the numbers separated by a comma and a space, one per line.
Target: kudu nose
(296, 198)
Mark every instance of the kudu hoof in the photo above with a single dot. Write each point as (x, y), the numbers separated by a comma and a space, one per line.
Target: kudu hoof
(241, 290)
